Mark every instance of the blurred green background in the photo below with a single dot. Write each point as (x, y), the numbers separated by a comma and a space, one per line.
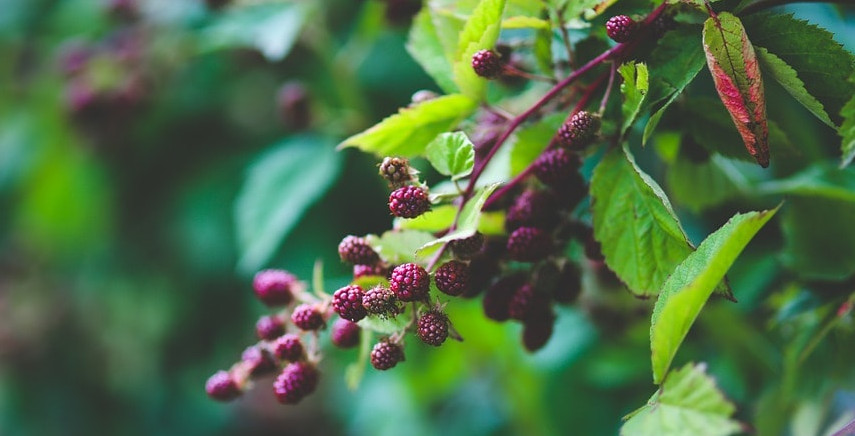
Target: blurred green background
(147, 169)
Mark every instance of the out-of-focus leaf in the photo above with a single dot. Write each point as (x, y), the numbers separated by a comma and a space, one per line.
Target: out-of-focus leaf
(531, 140)
(524, 23)
(469, 218)
(543, 51)
(789, 79)
(633, 88)
(480, 32)
(847, 129)
(452, 154)
(425, 46)
(399, 246)
(271, 28)
(699, 186)
(440, 218)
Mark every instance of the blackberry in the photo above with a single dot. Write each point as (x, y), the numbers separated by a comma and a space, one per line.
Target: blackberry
(380, 300)
(533, 208)
(222, 386)
(621, 28)
(554, 167)
(487, 64)
(345, 334)
(274, 287)
(537, 331)
(452, 277)
(663, 24)
(400, 12)
(569, 284)
(527, 302)
(580, 130)
(258, 360)
(482, 270)
(347, 303)
(269, 327)
(296, 381)
(466, 248)
(433, 328)
(528, 244)
(307, 317)
(408, 202)
(396, 171)
(409, 282)
(289, 348)
(385, 355)
(570, 192)
(369, 270)
(593, 249)
(354, 250)
(498, 298)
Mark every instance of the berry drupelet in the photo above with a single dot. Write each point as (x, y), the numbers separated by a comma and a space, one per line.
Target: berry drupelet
(533, 208)
(433, 328)
(259, 361)
(580, 130)
(289, 348)
(354, 250)
(369, 270)
(269, 327)
(498, 298)
(528, 244)
(621, 28)
(452, 277)
(409, 282)
(345, 334)
(527, 302)
(274, 287)
(380, 300)
(222, 386)
(307, 317)
(396, 171)
(468, 247)
(408, 202)
(556, 167)
(385, 355)
(347, 303)
(487, 64)
(296, 381)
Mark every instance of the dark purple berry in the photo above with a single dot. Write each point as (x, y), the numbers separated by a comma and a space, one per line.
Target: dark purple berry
(354, 250)
(347, 303)
(580, 130)
(269, 327)
(380, 300)
(527, 302)
(296, 381)
(620, 28)
(396, 171)
(400, 12)
(498, 297)
(259, 360)
(369, 270)
(528, 244)
(307, 317)
(569, 193)
(294, 108)
(385, 355)
(410, 282)
(482, 270)
(345, 334)
(537, 331)
(408, 202)
(433, 328)
(289, 348)
(274, 287)
(487, 64)
(593, 250)
(452, 277)
(555, 167)
(663, 23)
(468, 247)
(569, 284)
(532, 208)
(222, 386)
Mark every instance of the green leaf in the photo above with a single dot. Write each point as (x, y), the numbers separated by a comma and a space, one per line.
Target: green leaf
(469, 219)
(633, 88)
(847, 129)
(408, 132)
(821, 62)
(271, 28)
(425, 46)
(480, 32)
(525, 23)
(399, 246)
(440, 218)
(387, 326)
(280, 186)
(736, 74)
(687, 404)
(699, 186)
(354, 372)
(693, 281)
(530, 141)
(641, 237)
(543, 51)
(789, 79)
(452, 154)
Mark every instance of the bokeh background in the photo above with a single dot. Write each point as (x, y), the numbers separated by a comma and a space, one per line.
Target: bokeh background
(145, 146)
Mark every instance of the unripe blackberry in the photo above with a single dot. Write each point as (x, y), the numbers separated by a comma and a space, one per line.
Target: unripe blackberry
(498, 297)
(433, 328)
(296, 381)
(532, 208)
(294, 107)
(354, 250)
(570, 192)
(269, 327)
(487, 64)
(274, 287)
(396, 171)
(662, 24)
(452, 277)
(621, 28)
(537, 331)
(345, 334)
(369, 270)
(385, 355)
(528, 244)
(409, 282)
(222, 386)
(408, 202)
(347, 303)
(289, 348)
(307, 317)
(569, 284)
(468, 247)
(527, 302)
(380, 300)
(259, 360)
(580, 130)
(555, 167)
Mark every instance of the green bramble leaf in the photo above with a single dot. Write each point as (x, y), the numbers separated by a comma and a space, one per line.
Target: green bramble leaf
(847, 129)
(425, 46)
(480, 32)
(736, 74)
(519, 22)
(408, 132)
(789, 79)
(633, 88)
(271, 28)
(468, 222)
(698, 186)
(440, 218)
(687, 404)
(452, 154)
(686, 291)
(399, 246)
(530, 141)
(543, 51)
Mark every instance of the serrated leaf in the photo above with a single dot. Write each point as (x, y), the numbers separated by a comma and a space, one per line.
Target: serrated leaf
(399, 246)
(847, 130)
(633, 88)
(687, 404)
(280, 186)
(789, 80)
(452, 154)
(468, 221)
(425, 46)
(525, 23)
(736, 74)
(408, 132)
(480, 32)
(271, 28)
(686, 291)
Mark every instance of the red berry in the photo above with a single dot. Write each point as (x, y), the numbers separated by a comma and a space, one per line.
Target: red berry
(452, 277)
(528, 244)
(468, 247)
(296, 381)
(369, 270)
(527, 302)
(259, 360)
(487, 64)
(537, 331)
(433, 328)
(307, 317)
(274, 287)
(269, 327)
(347, 302)
(385, 355)
(555, 167)
(410, 282)
(289, 348)
(532, 208)
(345, 334)
(222, 386)
(620, 28)
(580, 130)
(396, 170)
(498, 297)
(408, 202)
(353, 249)
(380, 300)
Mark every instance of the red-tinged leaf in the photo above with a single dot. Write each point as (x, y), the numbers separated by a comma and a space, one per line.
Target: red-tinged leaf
(736, 73)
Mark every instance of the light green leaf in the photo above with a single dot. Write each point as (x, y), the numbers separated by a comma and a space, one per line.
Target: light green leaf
(452, 154)
(469, 219)
(399, 246)
(440, 218)
(271, 28)
(354, 372)
(687, 404)
(530, 141)
(387, 326)
(425, 46)
(280, 186)
(480, 32)
(847, 129)
(525, 23)
(542, 50)
(633, 88)
(408, 132)
(688, 288)
(789, 79)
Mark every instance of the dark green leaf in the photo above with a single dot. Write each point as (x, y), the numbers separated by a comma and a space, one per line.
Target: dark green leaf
(789, 79)
(633, 88)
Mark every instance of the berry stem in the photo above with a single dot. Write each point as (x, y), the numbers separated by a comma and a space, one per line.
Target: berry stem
(511, 71)
(608, 89)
